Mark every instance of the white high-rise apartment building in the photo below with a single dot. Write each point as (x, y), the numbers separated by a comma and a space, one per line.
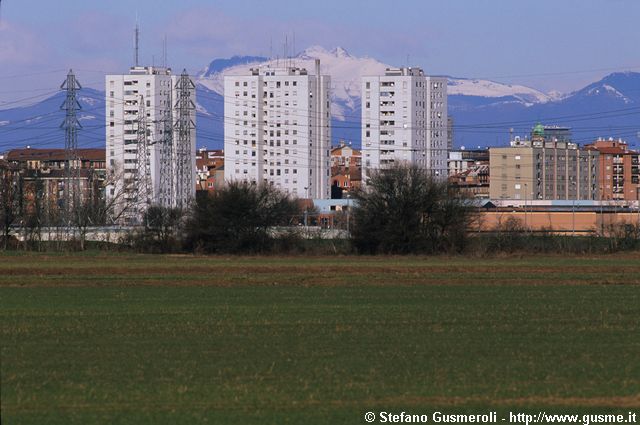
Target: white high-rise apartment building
(404, 120)
(155, 92)
(277, 130)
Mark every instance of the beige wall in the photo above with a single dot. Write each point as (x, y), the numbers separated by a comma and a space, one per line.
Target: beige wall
(585, 222)
(511, 171)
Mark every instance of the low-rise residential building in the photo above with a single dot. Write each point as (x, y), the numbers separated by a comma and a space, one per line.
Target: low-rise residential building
(42, 175)
(209, 169)
(345, 156)
(55, 159)
(469, 171)
(473, 181)
(346, 170)
(465, 159)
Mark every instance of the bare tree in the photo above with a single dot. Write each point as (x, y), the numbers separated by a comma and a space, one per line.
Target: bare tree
(404, 210)
(238, 218)
(118, 203)
(32, 214)
(162, 229)
(10, 199)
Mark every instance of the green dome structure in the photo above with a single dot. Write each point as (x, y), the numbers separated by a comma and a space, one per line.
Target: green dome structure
(538, 130)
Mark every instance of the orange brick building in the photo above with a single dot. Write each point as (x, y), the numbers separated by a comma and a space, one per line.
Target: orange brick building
(619, 170)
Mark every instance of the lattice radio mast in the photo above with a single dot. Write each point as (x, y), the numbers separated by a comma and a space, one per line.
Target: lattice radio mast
(71, 126)
(183, 126)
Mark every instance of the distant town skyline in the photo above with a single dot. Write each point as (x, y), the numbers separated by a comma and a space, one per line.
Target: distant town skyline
(545, 44)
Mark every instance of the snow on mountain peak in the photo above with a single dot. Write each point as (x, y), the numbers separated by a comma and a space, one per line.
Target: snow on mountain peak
(89, 100)
(486, 88)
(606, 88)
(313, 52)
(346, 72)
(555, 95)
(340, 52)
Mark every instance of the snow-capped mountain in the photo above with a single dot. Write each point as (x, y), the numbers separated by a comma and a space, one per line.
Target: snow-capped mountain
(346, 71)
(491, 89)
(606, 108)
(483, 110)
(616, 87)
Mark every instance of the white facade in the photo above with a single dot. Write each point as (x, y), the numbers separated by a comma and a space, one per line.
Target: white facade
(152, 90)
(404, 120)
(277, 130)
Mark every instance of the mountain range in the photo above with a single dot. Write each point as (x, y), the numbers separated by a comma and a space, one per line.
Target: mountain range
(484, 111)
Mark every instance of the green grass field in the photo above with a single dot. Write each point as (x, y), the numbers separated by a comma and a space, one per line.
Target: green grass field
(132, 339)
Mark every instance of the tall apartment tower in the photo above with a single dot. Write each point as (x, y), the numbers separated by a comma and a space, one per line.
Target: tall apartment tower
(404, 120)
(147, 108)
(277, 130)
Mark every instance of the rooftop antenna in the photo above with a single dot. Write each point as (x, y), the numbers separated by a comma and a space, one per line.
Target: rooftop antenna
(137, 43)
(164, 52)
(294, 48)
(285, 55)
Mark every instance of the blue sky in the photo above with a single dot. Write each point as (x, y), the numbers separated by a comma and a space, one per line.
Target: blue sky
(547, 44)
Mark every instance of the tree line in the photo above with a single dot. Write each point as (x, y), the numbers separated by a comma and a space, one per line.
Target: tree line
(402, 210)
